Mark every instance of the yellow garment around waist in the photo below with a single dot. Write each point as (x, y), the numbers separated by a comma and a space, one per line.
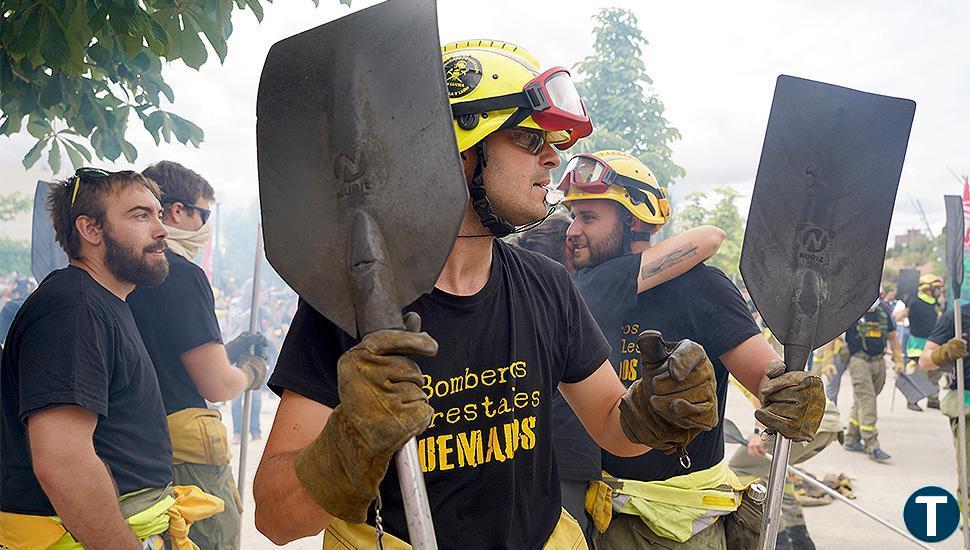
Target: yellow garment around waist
(198, 437)
(173, 512)
(341, 535)
(679, 507)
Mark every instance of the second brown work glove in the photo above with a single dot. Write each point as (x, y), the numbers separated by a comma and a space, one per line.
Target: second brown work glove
(254, 367)
(948, 353)
(792, 403)
(676, 397)
(381, 407)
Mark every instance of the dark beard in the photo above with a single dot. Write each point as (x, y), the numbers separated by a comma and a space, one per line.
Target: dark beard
(132, 267)
(607, 249)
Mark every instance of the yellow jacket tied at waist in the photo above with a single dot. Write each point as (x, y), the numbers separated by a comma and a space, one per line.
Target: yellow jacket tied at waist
(675, 508)
(149, 512)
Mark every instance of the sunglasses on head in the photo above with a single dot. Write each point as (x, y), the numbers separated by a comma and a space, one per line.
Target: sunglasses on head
(204, 213)
(86, 173)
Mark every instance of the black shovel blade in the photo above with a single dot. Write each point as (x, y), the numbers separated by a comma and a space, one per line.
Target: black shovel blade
(823, 198)
(353, 116)
(954, 232)
(907, 285)
(916, 385)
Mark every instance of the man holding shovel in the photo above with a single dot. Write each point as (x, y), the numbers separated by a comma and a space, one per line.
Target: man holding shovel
(509, 329)
(665, 501)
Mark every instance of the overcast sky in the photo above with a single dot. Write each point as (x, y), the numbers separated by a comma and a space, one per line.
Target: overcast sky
(713, 63)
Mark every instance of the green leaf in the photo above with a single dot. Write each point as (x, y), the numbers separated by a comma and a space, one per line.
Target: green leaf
(53, 92)
(257, 8)
(344, 2)
(153, 122)
(160, 41)
(38, 127)
(193, 49)
(81, 149)
(54, 157)
(11, 124)
(77, 160)
(180, 128)
(129, 151)
(31, 158)
(54, 46)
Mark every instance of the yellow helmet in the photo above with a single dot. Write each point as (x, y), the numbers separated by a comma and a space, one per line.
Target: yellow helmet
(929, 280)
(619, 177)
(478, 70)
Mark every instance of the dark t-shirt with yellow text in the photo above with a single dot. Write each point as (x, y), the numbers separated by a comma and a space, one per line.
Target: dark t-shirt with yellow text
(488, 460)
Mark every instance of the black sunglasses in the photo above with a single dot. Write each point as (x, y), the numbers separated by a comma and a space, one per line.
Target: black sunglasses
(204, 213)
(86, 173)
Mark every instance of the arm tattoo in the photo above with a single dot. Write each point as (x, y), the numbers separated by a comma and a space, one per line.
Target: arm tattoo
(668, 260)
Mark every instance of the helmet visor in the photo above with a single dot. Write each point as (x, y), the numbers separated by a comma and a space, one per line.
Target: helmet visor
(555, 102)
(587, 173)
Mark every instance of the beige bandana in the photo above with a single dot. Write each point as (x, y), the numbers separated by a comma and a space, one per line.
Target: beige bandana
(187, 243)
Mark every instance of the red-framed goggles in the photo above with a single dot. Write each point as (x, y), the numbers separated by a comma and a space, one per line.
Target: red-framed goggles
(551, 99)
(592, 175)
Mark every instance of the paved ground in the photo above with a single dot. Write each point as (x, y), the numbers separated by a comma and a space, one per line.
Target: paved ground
(919, 442)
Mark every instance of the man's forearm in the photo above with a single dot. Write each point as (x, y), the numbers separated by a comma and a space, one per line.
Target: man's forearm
(284, 511)
(84, 496)
(614, 439)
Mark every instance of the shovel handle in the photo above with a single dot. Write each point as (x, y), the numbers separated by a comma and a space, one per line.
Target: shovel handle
(375, 304)
(652, 349)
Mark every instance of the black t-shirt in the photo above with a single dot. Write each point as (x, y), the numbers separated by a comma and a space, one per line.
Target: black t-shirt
(174, 317)
(922, 317)
(488, 460)
(944, 330)
(702, 305)
(75, 343)
(870, 333)
(609, 289)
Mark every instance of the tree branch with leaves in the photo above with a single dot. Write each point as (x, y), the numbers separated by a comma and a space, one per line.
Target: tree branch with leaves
(626, 115)
(72, 72)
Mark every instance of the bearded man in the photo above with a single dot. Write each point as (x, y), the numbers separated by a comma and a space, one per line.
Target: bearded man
(86, 454)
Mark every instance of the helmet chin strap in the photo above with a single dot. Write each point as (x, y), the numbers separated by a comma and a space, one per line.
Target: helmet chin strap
(497, 226)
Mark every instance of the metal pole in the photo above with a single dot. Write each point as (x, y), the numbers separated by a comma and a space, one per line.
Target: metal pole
(816, 483)
(771, 525)
(961, 426)
(247, 397)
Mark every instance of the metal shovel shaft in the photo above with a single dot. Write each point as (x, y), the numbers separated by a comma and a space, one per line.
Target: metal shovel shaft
(372, 282)
(835, 494)
(248, 396)
(771, 525)
(961, 424)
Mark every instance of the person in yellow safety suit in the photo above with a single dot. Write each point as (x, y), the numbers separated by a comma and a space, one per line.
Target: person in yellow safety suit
(178, 324)
(866, 341)
(509, 328)
(81, 415)
(666, 501)
(923, 312)
(943, 348)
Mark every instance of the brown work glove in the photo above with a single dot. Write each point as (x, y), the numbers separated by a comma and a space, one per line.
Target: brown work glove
(381, 407)
(792, 403)
(254, 368)
(675, 399)
(948, 353)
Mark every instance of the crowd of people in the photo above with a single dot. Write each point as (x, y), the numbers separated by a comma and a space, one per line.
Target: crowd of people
(566, 390)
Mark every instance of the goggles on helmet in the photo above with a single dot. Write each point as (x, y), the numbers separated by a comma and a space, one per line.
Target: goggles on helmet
(592, 175)
(551, 99)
